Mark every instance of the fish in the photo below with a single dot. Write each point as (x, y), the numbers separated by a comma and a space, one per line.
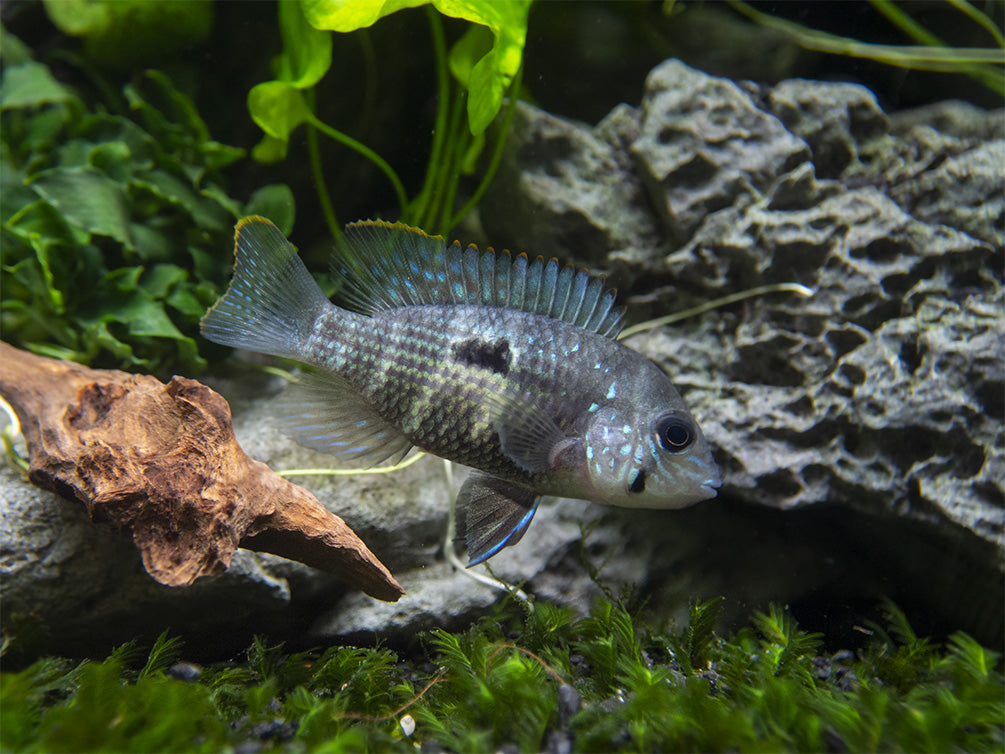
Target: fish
(505, 364)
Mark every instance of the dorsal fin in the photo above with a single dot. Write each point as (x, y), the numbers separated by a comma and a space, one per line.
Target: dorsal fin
(387, 265)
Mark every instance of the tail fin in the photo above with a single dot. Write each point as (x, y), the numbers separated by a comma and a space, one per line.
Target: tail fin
(272, 299)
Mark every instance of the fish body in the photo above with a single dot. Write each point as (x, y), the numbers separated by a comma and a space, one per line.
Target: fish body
(503, 364)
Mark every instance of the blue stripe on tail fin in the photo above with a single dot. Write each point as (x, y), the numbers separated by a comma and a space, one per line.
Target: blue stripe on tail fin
(272, 300)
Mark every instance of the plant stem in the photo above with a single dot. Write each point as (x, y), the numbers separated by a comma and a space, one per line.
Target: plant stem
(420, 206)
(364, 150)
(452, 135)
(920, 57)
(979, 18)
(497, 152)
(314, 155)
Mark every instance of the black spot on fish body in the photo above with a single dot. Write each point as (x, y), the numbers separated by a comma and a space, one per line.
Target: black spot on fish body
(495, 356)
(639, 483)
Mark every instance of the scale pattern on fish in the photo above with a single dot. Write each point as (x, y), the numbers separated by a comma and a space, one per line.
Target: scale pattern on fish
(504, 364)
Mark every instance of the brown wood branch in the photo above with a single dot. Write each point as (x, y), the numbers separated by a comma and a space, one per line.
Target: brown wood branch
(160, 462)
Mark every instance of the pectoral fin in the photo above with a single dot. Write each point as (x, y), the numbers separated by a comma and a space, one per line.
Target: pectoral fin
(494, 514)
(527, 434)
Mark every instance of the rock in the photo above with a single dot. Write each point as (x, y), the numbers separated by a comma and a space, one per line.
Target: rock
(703, 141)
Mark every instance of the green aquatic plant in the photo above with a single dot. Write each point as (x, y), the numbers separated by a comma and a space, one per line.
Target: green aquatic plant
(930, 54)
(529, 679)
(115, 219)
(485, 64)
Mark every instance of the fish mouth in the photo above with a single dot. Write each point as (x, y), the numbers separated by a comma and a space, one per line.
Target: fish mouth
(711, 486)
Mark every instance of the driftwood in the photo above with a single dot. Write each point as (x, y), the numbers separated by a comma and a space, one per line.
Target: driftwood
(160, 462)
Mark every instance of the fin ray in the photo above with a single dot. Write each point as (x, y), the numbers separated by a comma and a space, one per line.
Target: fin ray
(389, 265)
(325, 412)
(494, 513)
(271, 298)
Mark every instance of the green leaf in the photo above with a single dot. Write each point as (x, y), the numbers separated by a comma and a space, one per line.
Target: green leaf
(489, 77)
(307, 51)
(12, 50)
(30, 85)
(343, 16)
(78, 17)
(219, 155)
(131, 32)
(218, 195)
(152, 245)
(269, 150)
(165, 108)
(493, 74)
(277, 108)
(112, 158)
(275, 202)
(88, 199)
(467, 51)
(169, 187)
(161, 278)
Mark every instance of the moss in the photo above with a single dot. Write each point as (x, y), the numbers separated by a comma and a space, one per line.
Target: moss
(529, 679)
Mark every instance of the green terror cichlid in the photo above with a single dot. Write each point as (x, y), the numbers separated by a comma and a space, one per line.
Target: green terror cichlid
(497, 362)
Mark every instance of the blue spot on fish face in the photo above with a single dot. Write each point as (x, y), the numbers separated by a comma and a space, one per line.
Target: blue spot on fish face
(612, 391)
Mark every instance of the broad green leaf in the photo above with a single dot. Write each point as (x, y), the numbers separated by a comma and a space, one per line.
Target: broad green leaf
(467, 51)
(78, 17)
(277, 107)
(275, 202)
(307, 51)
(205, 212)
(13, 193)
(166, 108)
(184, 301)
(218, 195)
(144, 316)
(42, 129)
(151, 244)
(131, 32)
(12, 50)
(30, 85)
(490, 76)
(88, 199)
(112, 158)
(219, 155)
(55, 295)
(270, 149)
(42, 219)
(161, 278)
(349, 15)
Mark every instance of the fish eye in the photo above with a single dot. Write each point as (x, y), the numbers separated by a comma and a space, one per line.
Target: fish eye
(675, 433)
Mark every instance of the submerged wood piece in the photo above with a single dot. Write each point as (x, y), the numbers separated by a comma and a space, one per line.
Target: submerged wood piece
(160, 462)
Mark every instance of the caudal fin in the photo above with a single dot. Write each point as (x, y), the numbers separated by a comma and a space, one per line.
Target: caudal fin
(272, 299)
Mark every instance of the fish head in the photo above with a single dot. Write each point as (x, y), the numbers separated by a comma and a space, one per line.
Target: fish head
(644, 449)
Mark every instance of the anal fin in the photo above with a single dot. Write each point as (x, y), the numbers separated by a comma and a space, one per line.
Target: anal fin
(324, 412)
(494, 514)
